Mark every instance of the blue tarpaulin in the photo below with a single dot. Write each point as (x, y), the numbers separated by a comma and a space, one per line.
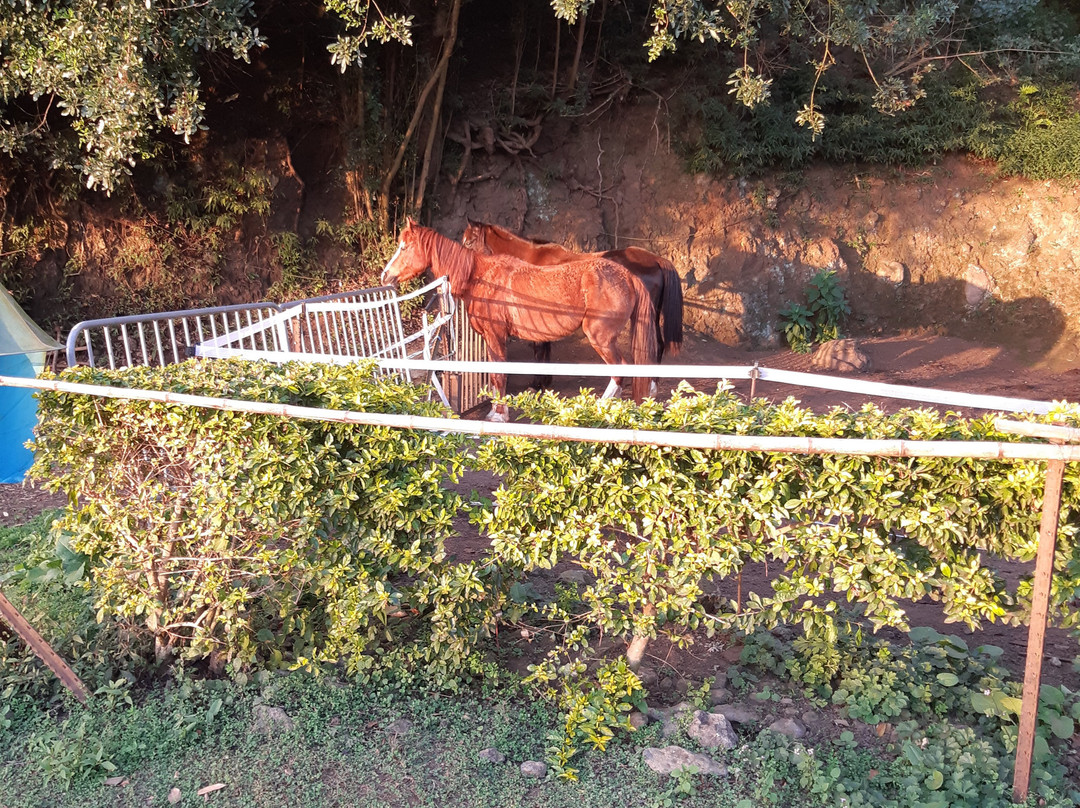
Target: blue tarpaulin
(22, 353)
(18, 417)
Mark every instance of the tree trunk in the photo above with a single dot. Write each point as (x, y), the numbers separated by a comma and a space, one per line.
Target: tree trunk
(436, 112)
(437, 77)
(571, 81)
(599, 42)
(555, 70)
(519, 53)
(356, 133)
(635, 652)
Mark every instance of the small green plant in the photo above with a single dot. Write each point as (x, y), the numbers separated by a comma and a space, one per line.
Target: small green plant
(682, 787)
(66, 755)
(592, 710)
(820, 319)
(798, 323)
(300, 274)
(702, 696)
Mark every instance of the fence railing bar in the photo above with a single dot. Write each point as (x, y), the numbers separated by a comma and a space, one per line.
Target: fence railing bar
(979, 450)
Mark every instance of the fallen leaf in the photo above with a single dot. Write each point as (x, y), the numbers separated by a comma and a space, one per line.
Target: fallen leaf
(174, 796)
(202, 792)
(114, 781)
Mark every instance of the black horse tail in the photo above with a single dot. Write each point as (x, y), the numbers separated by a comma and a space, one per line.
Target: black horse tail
(671, 310)
(643, 345)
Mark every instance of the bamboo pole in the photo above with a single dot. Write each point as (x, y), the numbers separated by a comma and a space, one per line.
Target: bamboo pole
(979, 450)
(1040, 606)
(10, 615)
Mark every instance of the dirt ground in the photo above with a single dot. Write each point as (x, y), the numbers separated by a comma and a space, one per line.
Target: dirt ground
(913, 359)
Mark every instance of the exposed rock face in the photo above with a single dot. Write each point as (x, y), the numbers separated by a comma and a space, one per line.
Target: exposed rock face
(928, 249)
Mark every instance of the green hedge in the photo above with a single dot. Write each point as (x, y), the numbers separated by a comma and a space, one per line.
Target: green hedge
(262, 539)
(259, 539)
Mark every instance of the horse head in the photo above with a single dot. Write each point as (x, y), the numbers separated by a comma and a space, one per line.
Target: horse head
(475, 237)
(409, 260)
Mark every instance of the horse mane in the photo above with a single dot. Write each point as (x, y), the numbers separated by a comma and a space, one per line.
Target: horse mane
(448, 258)
(507, 235)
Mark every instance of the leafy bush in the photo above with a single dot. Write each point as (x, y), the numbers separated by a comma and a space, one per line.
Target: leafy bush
(652, 526)
(819, 320)
(1036, 134)
(243, 537)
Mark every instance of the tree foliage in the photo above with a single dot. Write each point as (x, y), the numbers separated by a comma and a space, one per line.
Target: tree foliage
(240, 537)
(117, 71)
(895, 42)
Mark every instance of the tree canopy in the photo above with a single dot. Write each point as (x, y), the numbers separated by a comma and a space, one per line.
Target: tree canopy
(116, 71)
(88, 84)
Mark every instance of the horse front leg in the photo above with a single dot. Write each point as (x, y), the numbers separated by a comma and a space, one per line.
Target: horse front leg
(541, 353)
(499, 413)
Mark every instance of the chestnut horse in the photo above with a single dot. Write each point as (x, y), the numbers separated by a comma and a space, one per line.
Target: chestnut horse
(506, 297)
(656, 273)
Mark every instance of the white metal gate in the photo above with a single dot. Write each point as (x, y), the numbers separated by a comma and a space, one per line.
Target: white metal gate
(336, 328)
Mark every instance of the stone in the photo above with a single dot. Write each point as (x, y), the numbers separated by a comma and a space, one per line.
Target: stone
(840, 356)
(790, 727)
(399, 727)
(638, 719)
(977, 285)
(735, 713)
(894, 272)
(647, 676)
(720, 679)
(492, 755)
(573, 576)
(669, 717)
(270, 720)
(719, 695)
(668, 759)
(712, 730)
(536, 769)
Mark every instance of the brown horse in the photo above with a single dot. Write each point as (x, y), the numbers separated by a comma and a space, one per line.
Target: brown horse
(656, 273)
(506, 297)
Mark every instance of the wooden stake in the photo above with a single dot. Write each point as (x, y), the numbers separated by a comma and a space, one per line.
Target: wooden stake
(45, 653)
(1040, 604)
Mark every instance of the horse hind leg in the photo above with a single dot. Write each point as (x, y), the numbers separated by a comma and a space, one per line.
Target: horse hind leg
(605, 343)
